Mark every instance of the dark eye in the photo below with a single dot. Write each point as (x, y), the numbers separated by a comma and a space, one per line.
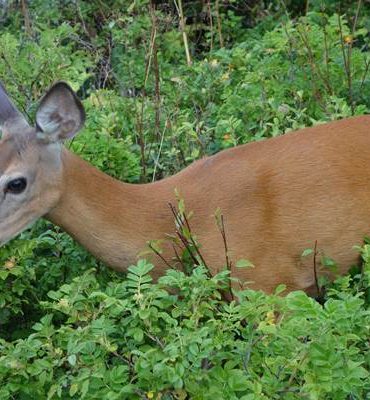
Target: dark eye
(16, 186)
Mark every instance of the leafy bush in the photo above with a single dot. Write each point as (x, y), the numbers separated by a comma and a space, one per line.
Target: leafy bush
(178, 338)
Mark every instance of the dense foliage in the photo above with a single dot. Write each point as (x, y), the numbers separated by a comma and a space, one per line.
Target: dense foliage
(164, 83)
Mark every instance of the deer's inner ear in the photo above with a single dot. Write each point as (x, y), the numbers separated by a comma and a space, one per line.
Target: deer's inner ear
(60, 114)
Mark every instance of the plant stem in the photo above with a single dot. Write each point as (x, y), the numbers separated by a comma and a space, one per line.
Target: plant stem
(209, 9)
(157, 101)
(183, 31)
(219, 26)
(26, 17)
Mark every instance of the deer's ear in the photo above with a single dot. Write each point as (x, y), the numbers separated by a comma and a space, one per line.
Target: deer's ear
(60, 114)
(10, 117)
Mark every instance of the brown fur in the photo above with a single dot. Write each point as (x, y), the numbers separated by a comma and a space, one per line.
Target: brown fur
(277, 197)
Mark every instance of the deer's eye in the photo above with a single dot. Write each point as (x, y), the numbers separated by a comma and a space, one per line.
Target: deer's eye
(16, 186)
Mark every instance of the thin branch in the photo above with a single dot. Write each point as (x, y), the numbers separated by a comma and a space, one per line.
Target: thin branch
(326, 49)
(311, 58)
(183, 31)
(221, 227)
(82, 20)
(141, 138)
(26, 18)
(219, 25)
(209, 9)
(159, 255)
(354, 26)
(347, 56)
(156, 163)
(187, 240)
(179, 223)
(346, 62)
(157, 101)
(367, 66)
(193, 241)
(307, 6)
(178, 258)
(315, 254)
(155, 339)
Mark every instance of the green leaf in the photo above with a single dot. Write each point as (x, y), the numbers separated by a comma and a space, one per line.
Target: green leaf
(329, 263)
(73, 389)
(307, 252)
(243, 263)
(280, 289)
(303, 305)
(237, 380)
(72, 359)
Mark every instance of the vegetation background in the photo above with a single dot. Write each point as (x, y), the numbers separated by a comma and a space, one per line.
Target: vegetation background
(164, 83)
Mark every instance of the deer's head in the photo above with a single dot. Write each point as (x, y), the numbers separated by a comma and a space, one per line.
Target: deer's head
(31, 167)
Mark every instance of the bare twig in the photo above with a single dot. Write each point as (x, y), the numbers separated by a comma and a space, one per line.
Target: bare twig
(195, 245)
(223, 233)
(159, 153)
(367, 66)
(154, 250)
(155, 339)
(347, 56)
(141, 138)
(157, 101)
(179, 227)
(319, 289)
(354, 26)
(315, 254)
(219, 25)
(187, 239)
(178, 258)
(326, 49)
(26, 17)
(180, 11)
(221, 226)
(346, 62)
(209, 9)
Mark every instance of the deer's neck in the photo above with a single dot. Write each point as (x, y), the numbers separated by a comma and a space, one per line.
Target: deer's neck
(111, 219)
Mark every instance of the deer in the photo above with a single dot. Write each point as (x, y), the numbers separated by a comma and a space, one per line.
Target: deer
(278, 196)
